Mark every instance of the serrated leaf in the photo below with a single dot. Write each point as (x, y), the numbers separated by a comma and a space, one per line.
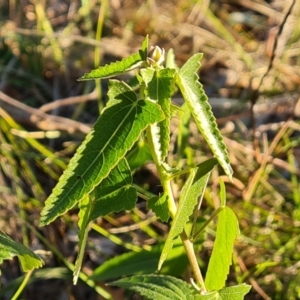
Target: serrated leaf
(115, 68)
(221, 258)
(192, 189)
(209, 296)
(183, 130)
(129, 63)
(85, 205)
(114, 133)
(195, 97)
(159, 205)
(9, 248)
(114, 193)
(158, 87)
(158, 287)
(236, 292)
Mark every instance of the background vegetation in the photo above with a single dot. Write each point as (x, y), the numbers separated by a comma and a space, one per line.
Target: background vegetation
(45, 113)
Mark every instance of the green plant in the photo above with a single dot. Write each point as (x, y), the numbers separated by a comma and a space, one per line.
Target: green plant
(99, 179)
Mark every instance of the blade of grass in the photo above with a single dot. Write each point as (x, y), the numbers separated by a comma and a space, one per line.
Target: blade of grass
(44, 24)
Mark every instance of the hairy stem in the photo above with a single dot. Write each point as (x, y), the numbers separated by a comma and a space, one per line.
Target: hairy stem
(189, 248)
(166, 184)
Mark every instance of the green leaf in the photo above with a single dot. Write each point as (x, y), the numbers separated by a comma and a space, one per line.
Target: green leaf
(231, 293)
(170, 60)
(159, 205)
(114, 133)
(129, 63)
(158, 87)
(221, 258)
(192, 189)
(158, 287)
(145, 45)
(236, 292)
(115, 68)
(183, 130)
(138, 155)
(222, 193)
(114, 193)
(143, 262)
(9, 248)
(127, 264)
(194, 95)
(85, 205)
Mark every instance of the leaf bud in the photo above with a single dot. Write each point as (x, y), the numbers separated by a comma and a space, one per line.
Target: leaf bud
(156, 56)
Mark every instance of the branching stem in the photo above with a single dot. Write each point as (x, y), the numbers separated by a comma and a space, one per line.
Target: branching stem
(166, 184)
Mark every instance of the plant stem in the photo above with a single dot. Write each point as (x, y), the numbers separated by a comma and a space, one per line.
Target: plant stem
(189, 248)
(166, 184)
(22, 286)
(215, 213)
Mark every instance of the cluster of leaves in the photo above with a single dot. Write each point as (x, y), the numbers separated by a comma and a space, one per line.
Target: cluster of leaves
(98, 178)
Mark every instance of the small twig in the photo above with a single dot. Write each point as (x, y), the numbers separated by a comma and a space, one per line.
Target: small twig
(68, 101)
(274, 48)
(255, 93)
(24, 113)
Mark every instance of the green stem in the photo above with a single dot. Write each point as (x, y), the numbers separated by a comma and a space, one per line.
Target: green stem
(215, 213)
(97, 56)
(166, 184)
(22, 286)
(190, 251)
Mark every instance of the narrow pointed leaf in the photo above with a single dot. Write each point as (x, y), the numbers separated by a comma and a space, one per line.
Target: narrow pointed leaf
(9, 248)
(158, 87)
(85, 205)
(114, 193)
(170, 61)
(221, 258)
(222, 193)
(114, 133)
(119, 67)
(195, 97)
(115, 68)
(190, 193)
(158, 287)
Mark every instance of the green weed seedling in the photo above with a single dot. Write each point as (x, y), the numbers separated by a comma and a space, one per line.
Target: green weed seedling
(99, 179)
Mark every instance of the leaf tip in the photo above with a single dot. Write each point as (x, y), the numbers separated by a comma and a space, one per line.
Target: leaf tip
(44, 219)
